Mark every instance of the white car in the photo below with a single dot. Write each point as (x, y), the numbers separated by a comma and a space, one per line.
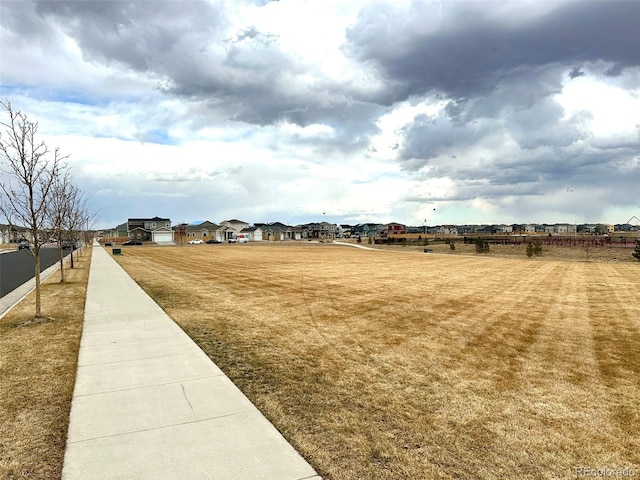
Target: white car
(197, 241)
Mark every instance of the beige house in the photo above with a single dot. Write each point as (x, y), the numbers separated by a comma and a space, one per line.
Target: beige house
(7, 234)
(230, 229)
(204, 230)
(254, 234)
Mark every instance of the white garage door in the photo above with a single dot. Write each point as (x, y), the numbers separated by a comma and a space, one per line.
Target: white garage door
(162, 237)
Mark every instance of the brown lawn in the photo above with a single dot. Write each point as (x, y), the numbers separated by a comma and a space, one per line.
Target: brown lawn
(404, 365)
(37, 372)
(603, 253)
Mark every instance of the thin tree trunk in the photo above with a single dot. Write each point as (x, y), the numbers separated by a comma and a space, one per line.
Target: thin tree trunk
(37, 277)
(61, 256)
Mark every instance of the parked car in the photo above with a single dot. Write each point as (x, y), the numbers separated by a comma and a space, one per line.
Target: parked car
(24, 245)
(108, 244)
(210, 241)
(197, 241)
(132, 242)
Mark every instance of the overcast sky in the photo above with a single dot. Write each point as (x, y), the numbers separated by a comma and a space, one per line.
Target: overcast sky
(346, 111)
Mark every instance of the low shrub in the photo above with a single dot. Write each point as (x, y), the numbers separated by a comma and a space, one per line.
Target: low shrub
(482, 246)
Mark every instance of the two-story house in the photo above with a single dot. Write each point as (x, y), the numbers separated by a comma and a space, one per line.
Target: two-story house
(393, 228)
(366, 230)
(9, 234)
(447, 230)
(154, 229)
(231, 228)
(324, 230)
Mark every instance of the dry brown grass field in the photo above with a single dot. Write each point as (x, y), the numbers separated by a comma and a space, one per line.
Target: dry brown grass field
(37, 372)
(404, 365)
(566, 253)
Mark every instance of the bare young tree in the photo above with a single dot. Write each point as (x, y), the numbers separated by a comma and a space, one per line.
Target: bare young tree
(59, 206)
(29, 171)
(68, 216)
(76, 216)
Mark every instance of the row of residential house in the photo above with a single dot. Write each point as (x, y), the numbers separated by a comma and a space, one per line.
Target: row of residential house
(238, 229)
(160, 230)
(556, 228)
(390, 229)
(14, 234)
(10, 234)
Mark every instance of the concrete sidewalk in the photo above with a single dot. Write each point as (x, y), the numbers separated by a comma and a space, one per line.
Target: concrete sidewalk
(149, 404)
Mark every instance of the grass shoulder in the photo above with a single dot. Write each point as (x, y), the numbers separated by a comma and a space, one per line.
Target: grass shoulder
(38, 361)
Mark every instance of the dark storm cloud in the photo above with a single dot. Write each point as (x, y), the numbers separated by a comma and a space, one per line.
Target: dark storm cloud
(192, 51)
(431, 136)
(536, 150)
(615, 168)
(465, 48)
(187, 47)
(542, 125)
(141, 35)
(498, 68)
(575, 73)
(462, 49)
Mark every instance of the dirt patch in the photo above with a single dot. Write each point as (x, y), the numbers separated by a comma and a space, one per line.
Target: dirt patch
(34, 321)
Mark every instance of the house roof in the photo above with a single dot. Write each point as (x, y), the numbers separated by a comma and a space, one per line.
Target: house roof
(206, 225)
(234, 221)
(273, 226)
(13, 228)
(154, 219)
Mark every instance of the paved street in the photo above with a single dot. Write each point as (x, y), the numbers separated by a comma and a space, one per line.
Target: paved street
(18, 267)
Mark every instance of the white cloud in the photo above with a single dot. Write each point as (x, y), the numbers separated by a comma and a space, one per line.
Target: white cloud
(615, 111)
